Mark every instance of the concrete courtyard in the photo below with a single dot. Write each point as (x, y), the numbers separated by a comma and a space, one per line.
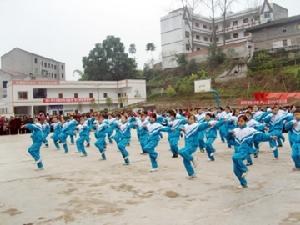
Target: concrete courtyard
(74, 190)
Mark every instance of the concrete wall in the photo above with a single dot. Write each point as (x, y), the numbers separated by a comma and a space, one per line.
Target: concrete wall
(264, 39)
(280, 12)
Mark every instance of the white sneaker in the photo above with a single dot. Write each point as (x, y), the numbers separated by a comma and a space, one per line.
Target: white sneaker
(242, 187)
(153, 170)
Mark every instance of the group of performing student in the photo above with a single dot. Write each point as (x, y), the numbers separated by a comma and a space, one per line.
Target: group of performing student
(242, 131)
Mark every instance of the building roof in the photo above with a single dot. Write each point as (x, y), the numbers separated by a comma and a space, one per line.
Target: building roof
(275, 23)
(19, 49)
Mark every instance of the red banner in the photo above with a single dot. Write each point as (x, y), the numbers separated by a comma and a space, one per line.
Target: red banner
(266, 102)
(67, 100)
(262, 96)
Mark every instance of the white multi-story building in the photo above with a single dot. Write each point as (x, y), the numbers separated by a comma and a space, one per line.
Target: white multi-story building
(33, 66)
(183, 33)
(29, 97)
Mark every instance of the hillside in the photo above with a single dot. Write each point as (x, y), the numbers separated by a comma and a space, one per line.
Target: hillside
(267, 72)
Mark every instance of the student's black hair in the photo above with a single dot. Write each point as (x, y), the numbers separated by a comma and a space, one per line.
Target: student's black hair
(244, 117)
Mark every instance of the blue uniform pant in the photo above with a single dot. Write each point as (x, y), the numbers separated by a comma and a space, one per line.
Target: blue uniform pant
(122, 144)
(100, 144)
(143, 143)
(273, 144)
(296, 154)
(63, 140)
(173, 142)
(45, 140)
(55, 141)
(187, 155)
(71, 138)
(109, 136)
(209, 148)
(150, 149)
(34, 151)
(239, 167)
(80, 145)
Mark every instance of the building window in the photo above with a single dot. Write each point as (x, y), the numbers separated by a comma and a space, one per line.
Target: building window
(246, 20)
(91, 95)
(285, 43)
(204, 26)
(75, 95)
(35, 60)
(55, 76)
(187, 34)
(284, 30)
(55, 67)
(198, 37)
(39, 93)
(62, 67)
(205, 38)
(235, 35)
(48, 65)
(198, 49)
(197, 24)
(119, 95)
(246, 34)
(60, 95)
(217, 39)
(267, 15)
(235, 23)
(105, 95)
(62, 76)
(23, 95)
(4, 84)
(91, 110)
(45, 65)
(187, 47)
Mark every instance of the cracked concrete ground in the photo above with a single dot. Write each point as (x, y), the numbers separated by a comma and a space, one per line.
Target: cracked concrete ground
(74, 190)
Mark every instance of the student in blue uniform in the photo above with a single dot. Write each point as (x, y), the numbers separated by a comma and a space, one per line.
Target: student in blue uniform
(173, 130)
(83, 131)
(154, 130)
(294, 129)
(37, 139)
(71, 129)
(191, 131)
(100, 135)
(244, 137)
(46, 130)
(125, 135)
(275, 123)
(142, 132)
(57, 128)
(211, 135)
(111, 127)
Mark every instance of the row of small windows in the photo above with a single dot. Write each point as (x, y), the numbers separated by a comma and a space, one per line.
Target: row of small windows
(234, 23)
(48, 65)
(42, 93)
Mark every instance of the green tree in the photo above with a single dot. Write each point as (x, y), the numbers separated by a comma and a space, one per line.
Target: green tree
(170, 91)
(108, 61)
(132, 49)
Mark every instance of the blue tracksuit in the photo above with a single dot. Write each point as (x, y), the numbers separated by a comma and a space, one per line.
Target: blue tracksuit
(201, 143)
(275, 124)
(124, 139)
(244, 138)
(211, 135)
(100, 135)
(64, 134)
(57, 128)
(37, 139)
(173, 130)
(191, 144)
(83, 131)
(154, 130)
(110, 129)
(142, 133)
(71, 130)
(46, 131)
(294, 130)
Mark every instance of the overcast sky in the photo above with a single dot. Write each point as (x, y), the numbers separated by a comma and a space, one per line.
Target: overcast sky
(67, 30)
